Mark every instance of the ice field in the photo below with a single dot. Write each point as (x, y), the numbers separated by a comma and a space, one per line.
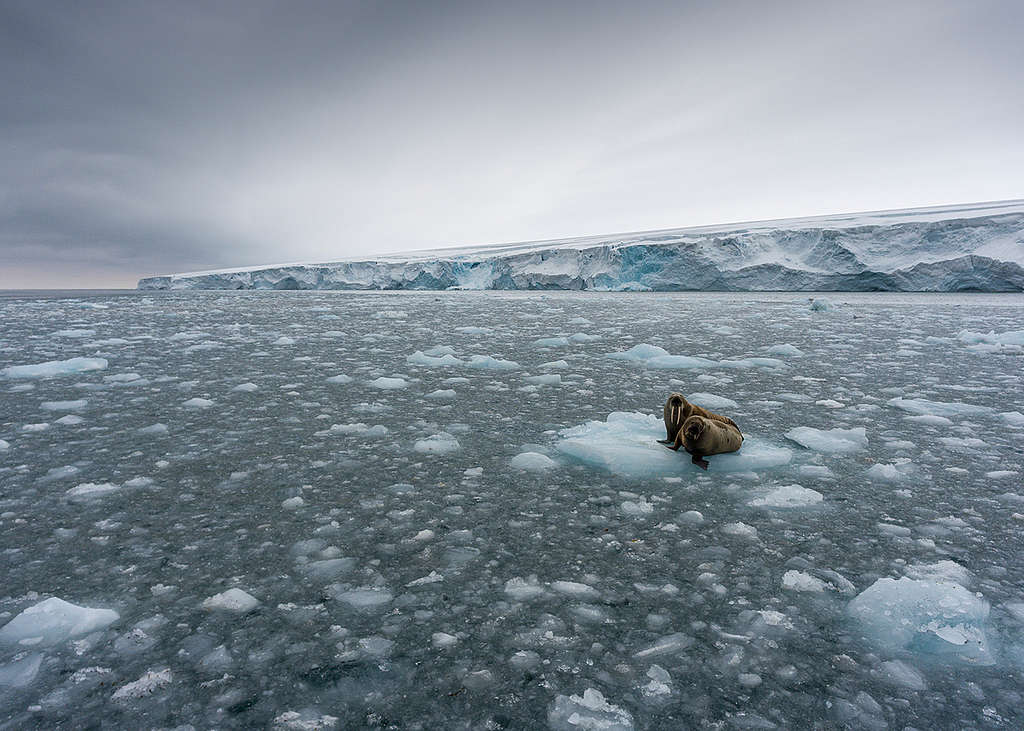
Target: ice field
(314, 510)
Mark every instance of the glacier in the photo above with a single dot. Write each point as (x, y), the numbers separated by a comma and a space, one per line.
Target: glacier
(971, 247)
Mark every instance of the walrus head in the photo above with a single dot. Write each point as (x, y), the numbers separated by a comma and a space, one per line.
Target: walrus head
(694, 428)
(676, 408)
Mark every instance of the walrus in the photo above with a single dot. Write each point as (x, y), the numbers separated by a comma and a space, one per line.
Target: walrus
(678, 410)
(702, 437)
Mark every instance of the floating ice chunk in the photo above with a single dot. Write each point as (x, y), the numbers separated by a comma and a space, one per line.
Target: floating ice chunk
(821, 304)
(359, 429)
(711, 401)
(440, 443)
(740, 530)
(524, 660)
(198, 403)
(902, 469)
(328, 568)
(785, 349)
(365, 599)
(389, 384)
(583, 338)
(551, 342)
(532, 462)
(391, 315)
(52, 621)
(925, 616)
(232, 600)
(929, 420)
(150, 682)
(20, 673)
(551, 379)
(59, 473)
(304, 721)
(668, 362)
(284, 340)
(589, 713)
(898, 673)
(641, 352)
(936, 408)
(4, 444)
(788, 496)
(443, 640)
(576, 590)
(487, 362)
(69, 420)
(522, 590)
(637, 507)
(473, 330)
(245, 388)
(76, 405)
(832, 441)
(555, 364)
(74, 333)
(341, 378)
(993, 342)
(945, 570)
(53, 368)
(424, 359)
(668, 645)
(660, 685)
(1001, 474)
(800, 581)
(88, 490)
(830, 403)
(293, 503)
(626, 444)
(432, 578)
(1013, 418)
(441, 395)
(154, 429)
(693, 517)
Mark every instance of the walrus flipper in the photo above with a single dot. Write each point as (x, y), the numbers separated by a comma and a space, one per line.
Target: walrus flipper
(698, 460)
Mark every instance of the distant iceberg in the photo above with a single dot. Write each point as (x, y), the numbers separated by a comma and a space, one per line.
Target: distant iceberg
(977, 247)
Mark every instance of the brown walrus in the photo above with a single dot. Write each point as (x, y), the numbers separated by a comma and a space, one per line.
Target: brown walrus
(702, 437)
(678, 410)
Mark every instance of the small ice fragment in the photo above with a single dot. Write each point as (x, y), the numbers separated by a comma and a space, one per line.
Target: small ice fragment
(150, 682)
(54, 620)
(532, 462)
(589, 713)
(232, 600)
(800, 581)
(389, 384)
(197, 403)
(833, 441)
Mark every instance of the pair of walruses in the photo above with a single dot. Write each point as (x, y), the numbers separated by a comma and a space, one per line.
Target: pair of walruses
(699, 431)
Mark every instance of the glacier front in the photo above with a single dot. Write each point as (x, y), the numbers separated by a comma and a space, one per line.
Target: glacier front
(975, 247)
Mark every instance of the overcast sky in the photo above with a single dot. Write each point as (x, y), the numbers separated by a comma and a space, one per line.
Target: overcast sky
(141, 138)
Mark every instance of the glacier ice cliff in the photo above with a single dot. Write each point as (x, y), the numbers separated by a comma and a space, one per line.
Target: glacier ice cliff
(976, 247)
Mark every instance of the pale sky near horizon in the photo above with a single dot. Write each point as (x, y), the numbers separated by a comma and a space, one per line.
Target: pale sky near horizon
(156, 137)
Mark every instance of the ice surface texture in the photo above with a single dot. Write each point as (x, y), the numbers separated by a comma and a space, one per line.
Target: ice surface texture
(942, 249)
(491, 547)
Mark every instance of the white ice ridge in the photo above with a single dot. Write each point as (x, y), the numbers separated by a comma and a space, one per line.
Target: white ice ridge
(52, 621)
(947, 248)
(626, 444)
